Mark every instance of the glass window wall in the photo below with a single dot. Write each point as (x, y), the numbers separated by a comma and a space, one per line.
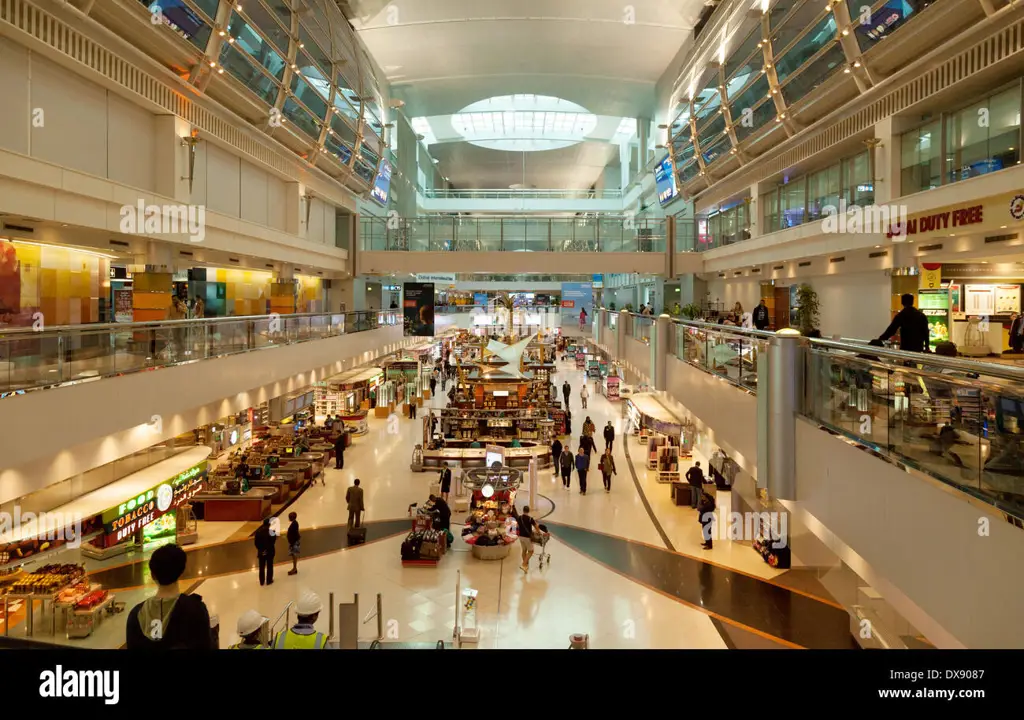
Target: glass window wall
(245, 71)
(814, 74)
(268, 25)
(762, 114)
(823, 188)
(746, 58)
(255, 46)
(793, 203)
(921, 158)
(790, 56)
(876, 21)
(984, 137)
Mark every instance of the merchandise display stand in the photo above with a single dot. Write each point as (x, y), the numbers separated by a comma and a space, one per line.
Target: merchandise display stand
(668, 463)
(424, 546)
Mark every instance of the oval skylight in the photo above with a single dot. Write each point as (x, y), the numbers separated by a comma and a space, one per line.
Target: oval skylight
(524, 123)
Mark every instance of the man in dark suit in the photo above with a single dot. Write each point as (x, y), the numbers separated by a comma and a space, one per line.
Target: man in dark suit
(354, 498)
(911, 324)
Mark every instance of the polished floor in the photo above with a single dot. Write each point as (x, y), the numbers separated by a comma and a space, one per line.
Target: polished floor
(627, 567)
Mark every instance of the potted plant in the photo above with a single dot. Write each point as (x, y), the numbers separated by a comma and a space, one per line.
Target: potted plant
(807, 311)
(691, 311)
(611, 306)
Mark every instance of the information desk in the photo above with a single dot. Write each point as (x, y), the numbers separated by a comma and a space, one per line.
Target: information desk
(467, 457)
(251, 506)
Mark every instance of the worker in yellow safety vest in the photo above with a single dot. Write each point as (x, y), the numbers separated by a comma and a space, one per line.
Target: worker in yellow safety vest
(249, 627)
(302, 635)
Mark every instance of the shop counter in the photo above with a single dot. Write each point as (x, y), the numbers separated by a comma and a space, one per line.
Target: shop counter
(280, 487)
(251, 506)
(475, 457)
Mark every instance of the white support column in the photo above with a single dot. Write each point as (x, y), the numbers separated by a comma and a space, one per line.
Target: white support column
(172, 157)
(660, 350)
(785, 388)
(294, 210)
(887, 154)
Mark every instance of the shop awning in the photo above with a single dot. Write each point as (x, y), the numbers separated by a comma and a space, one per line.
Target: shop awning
(650, 407)
(354, 377)
(110, 496)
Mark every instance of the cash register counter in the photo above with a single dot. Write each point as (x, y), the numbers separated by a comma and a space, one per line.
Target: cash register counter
(459, 454)
(253, 505)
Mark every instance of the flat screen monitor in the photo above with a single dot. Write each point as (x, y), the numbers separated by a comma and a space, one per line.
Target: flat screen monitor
(382, 185)
(665, 181)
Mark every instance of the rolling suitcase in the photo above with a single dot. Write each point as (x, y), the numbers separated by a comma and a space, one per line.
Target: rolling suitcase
(356, 536)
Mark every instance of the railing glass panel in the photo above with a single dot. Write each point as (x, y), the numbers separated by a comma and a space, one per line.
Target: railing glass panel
(33, 360)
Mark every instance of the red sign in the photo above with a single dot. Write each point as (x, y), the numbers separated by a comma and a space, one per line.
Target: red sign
(568, 303)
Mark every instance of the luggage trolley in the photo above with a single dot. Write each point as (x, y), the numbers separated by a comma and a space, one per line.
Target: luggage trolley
(541, 538)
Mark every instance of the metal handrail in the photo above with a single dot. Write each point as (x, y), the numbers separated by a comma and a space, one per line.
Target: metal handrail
(149, 324)
(1007, 372)
(513, 193)
(270, 627)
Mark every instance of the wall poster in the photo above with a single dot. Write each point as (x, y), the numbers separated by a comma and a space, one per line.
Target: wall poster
(418, 309)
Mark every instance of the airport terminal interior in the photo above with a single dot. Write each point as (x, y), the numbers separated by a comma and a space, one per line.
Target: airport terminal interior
(478, 324)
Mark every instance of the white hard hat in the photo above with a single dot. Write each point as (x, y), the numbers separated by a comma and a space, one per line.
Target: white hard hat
(309, 604)
(250, 622)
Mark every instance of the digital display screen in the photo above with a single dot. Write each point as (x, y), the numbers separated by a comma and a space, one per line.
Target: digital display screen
(382, 185)
(888, 17)
(665, 181)
(176, 15)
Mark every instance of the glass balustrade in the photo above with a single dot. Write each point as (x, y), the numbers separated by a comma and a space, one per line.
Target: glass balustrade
(32, 360)
(554, 194)
(965, 428)
(513, 234)
(730, 353)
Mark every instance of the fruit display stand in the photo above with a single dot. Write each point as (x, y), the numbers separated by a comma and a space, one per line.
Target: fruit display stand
(81, 608)
(43, 586)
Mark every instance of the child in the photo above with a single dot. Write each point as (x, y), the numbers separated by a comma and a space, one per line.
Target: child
(293, 542)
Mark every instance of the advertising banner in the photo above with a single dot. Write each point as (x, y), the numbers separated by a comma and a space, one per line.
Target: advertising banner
(123, 306)
(480, 299)
(576, 296)
(418, 309)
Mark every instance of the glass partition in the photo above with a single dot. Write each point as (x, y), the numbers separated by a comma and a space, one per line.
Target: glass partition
(33, 360)
(921, 158)
(984, 137)
(952, 425)
(730, 354)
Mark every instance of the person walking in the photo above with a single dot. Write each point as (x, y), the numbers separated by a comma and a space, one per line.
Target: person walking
(339, 451)
(582, 466)
(609, 435)
(556, 454)
(354, 498)
(527, 527)
(589, 428)
(566, 390)
(584, 394)
(587, 444)
(583, 318)
(568, 422)
(265, 539)
(248, 627)
(433, 384)
(760, 317)
(706, 517)
(607, 466)
(293, 538)
(565, 463)
(303, 635)
(446, 482)
(911, 324)
(169, 620)
(695, 477)
(412, 408)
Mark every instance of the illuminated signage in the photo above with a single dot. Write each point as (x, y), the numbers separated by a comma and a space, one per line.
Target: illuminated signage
(134, 514)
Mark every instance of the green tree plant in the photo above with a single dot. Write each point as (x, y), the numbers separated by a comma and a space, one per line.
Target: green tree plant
(808, 310)
(691, 311)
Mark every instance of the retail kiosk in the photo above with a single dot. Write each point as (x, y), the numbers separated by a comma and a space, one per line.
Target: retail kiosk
(661, 433)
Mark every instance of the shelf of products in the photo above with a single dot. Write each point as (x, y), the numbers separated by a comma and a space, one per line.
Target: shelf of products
(47, 580)
(610, 387)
